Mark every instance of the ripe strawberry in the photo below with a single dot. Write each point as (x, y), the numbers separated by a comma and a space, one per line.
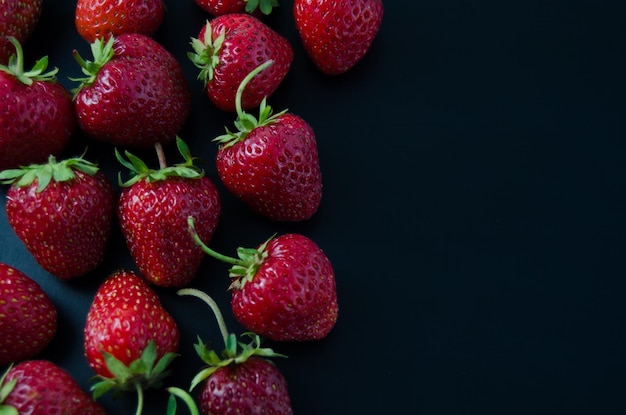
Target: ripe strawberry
(337, 34)
(272, 163)
(62, 211)
(135, 93)
(18, 18)
(36, 112)
(99, 19)
(153, 209)
(241, 382)
(129, 337)
(228, 48)
(284, 289)
(220, 7)
(28, 317)
(40, 387)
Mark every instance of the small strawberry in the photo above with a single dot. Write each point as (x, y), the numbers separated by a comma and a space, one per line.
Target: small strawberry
(62, 211)
(36, 112)
(135, 93)
(18, 18)
(40, 387)
(28, 317)
(99, 19)
(238, 382)
(272, 163)
(129, 337)
(220, 7)
(284, 289)
(337, 34)
(228, 48)
(153, 209)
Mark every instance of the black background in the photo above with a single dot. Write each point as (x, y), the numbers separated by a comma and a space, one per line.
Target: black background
(474, 211)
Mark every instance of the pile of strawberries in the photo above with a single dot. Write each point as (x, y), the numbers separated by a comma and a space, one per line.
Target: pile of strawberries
(133, 96)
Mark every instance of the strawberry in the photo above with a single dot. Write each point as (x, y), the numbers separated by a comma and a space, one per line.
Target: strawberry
(36, 112)
(99, 19)
(228, 48)
(337, 34)
(272, 163)
(62, 211)
(153, 209)
(238, 382)
(135, 93)
(28, 317)
(18, 18)
(284, 289)
(40, 387)
(220, 7)
(129, 337)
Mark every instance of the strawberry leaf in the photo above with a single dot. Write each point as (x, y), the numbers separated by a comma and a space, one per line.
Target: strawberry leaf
(15, 67)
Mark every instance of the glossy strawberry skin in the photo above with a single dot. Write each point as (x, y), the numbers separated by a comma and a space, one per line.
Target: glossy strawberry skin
(140, 97)
(248, 42)
(102, 18)
(337, 34)
(27, 313)
(18, 18)
(125, 315)
(292, 296)
(44, 388)
(275, 170)
(153, 218)
(220, 7)
(38, 120)
(66, 226)
(255, 386)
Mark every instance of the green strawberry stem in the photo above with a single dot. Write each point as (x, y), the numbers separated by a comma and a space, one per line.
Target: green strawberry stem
(102, 53)
(139, 390)
(16, 67)
(185, 397)
(5, 389)
(214, 307)
(245, 82)
(161, 155)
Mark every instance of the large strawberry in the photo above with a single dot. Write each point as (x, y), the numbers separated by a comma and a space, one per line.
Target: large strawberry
(41, 387)
(337, 34)
(62, 211)
(241, 380)
(36, 112)
(228, 47)
(153, 209)
(28, 317)
(271, 163)
(18, 18)
(99, 19)
(220, 7)
(284, 289)
(129, 337)
(134, 93)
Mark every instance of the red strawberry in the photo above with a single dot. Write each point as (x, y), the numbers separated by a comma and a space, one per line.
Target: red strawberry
(228, 48)
(135, 93)
(99, 19)
(272, 163)
(337, 34)
(36, 112)
(62, 211)
(28, 317)
(239, 382)
(284, 289)
(18, 18)
(40, 387)
(129, 337)
(153, 209)
(220, 7)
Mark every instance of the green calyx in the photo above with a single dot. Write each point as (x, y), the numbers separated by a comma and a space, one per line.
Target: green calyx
(15, 67)
(53, 170)
(235, 352)
(140, 171)
(245, 122)
(265, 6)
(5, 389)
(206, 52)
(102, 53)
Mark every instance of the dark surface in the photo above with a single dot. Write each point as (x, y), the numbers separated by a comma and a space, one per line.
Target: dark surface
(474, 211)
